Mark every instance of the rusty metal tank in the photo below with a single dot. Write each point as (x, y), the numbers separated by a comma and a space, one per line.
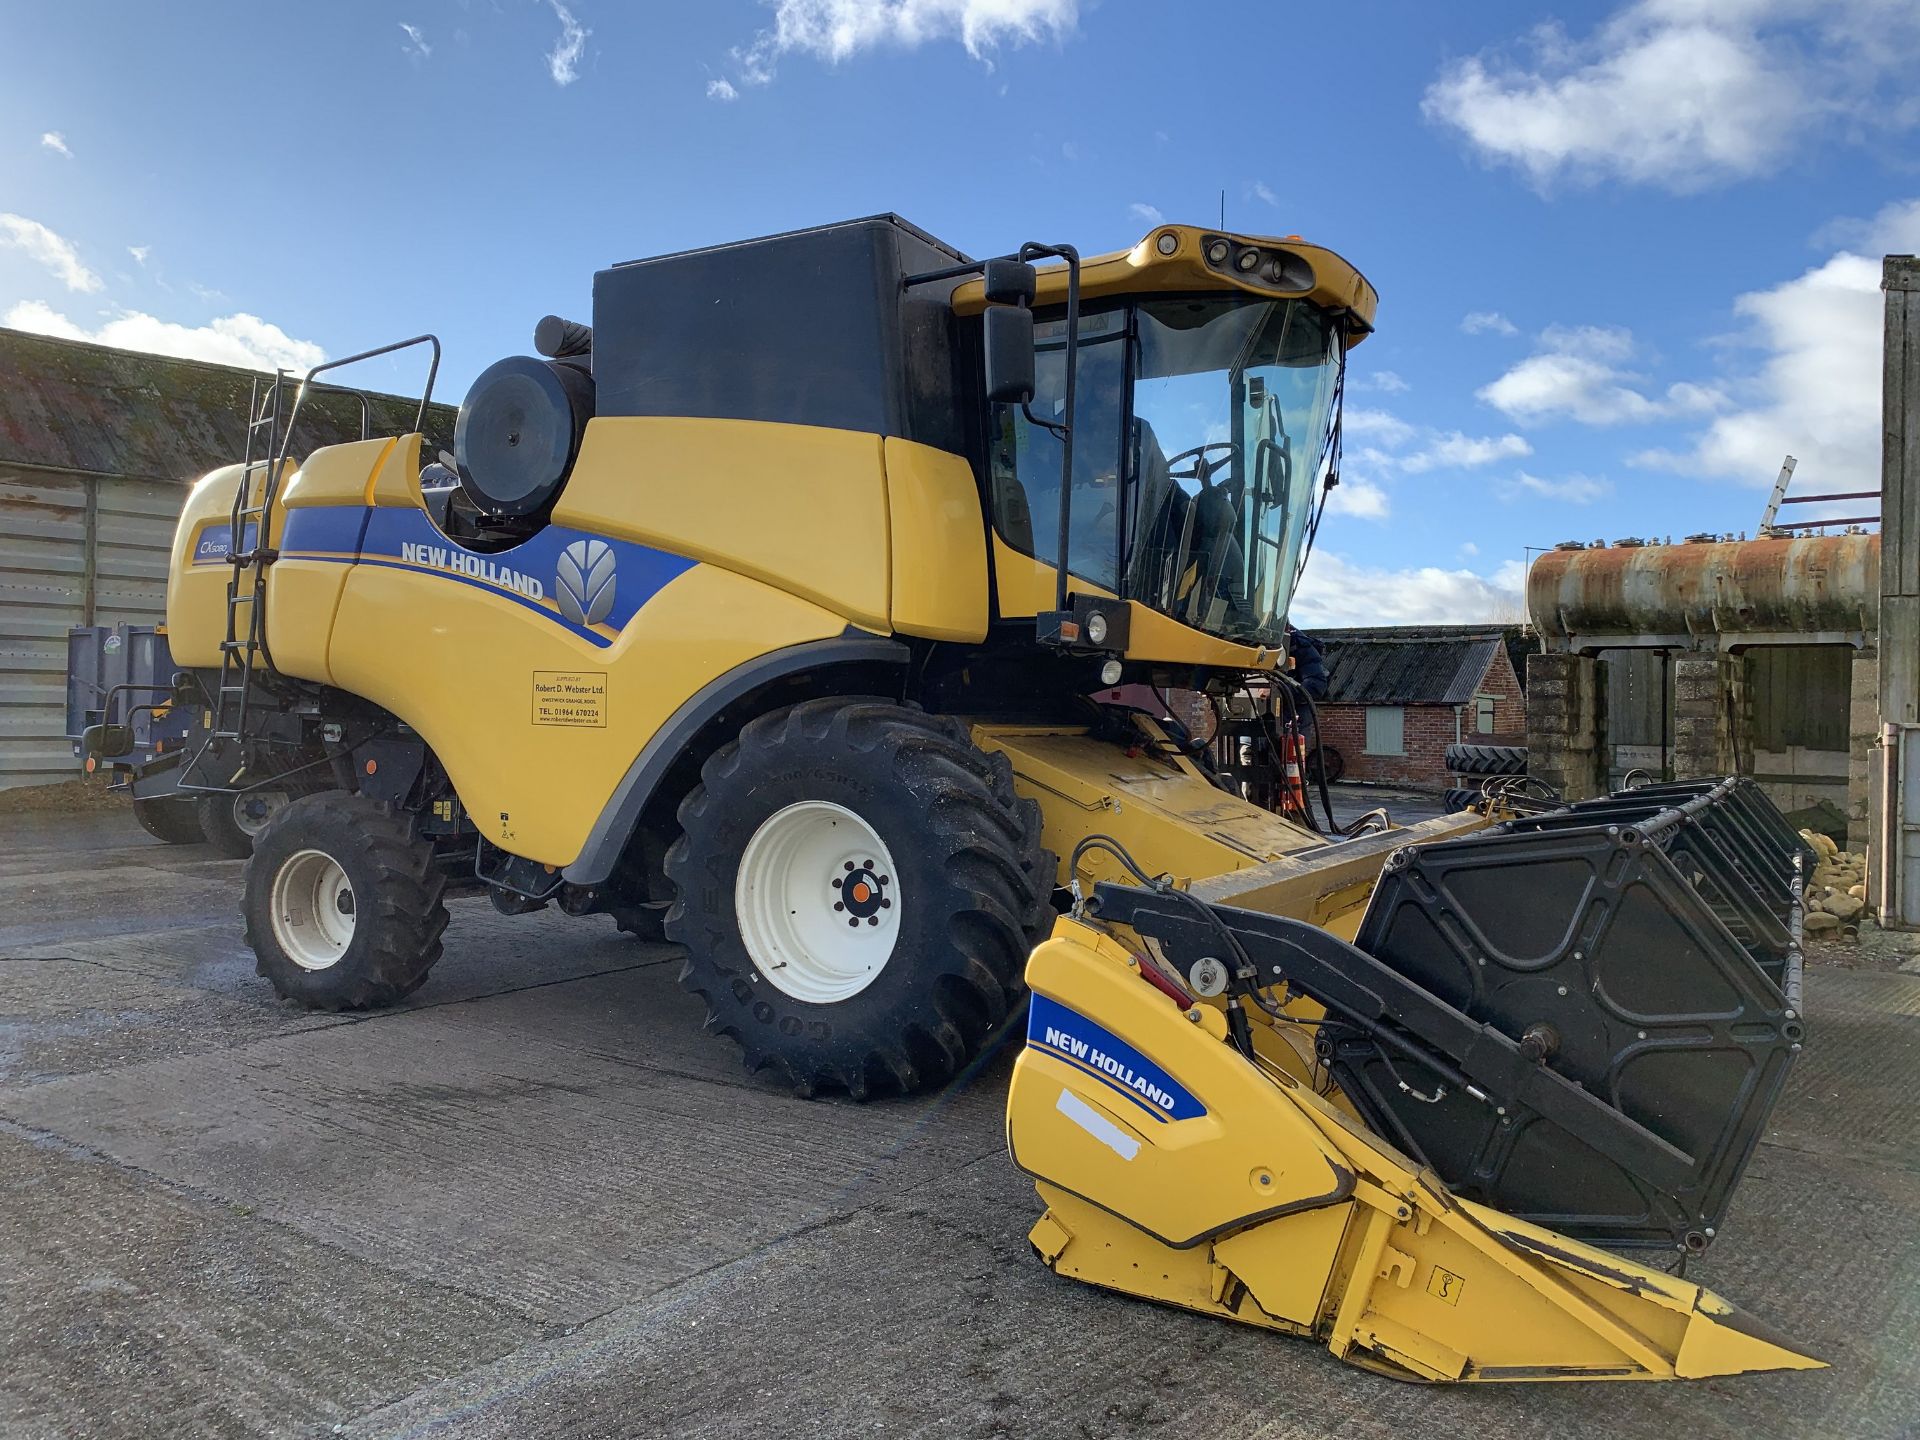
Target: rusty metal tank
(1708, 592)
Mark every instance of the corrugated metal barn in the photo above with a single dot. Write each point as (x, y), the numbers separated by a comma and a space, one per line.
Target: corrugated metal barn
(97, 450)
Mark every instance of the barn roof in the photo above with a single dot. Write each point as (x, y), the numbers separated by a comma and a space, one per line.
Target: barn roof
(71, 405)
(1418, 669)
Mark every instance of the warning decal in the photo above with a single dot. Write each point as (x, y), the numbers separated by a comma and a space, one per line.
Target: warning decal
(570, 697)
(1446, 1285)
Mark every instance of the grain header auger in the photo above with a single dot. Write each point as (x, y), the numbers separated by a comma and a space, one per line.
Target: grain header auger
(767, 613)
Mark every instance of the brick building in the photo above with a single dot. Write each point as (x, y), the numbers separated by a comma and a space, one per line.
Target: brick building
(1398, 696)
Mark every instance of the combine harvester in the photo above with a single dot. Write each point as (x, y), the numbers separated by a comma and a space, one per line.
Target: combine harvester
(738, 616)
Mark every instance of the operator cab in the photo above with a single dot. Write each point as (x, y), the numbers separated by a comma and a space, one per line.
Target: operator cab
(1202, 425)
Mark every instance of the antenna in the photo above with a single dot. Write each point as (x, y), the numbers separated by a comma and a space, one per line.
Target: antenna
(1223, 209)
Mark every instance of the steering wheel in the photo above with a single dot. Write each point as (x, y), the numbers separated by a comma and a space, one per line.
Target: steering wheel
(1202, 468)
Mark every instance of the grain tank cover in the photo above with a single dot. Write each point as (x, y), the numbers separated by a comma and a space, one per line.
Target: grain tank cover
(813, 327)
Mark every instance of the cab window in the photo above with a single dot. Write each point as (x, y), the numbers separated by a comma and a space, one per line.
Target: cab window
(1025, 461)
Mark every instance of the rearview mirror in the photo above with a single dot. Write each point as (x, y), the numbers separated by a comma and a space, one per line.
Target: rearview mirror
(1010, 282)
(107, 742)
(1009, 354)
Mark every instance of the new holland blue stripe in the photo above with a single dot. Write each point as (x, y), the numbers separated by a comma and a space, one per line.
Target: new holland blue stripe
(406, 539)
(1097, 1051)
(534, 605)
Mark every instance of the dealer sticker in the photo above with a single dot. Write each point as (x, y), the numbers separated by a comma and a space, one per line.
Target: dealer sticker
(570, 697)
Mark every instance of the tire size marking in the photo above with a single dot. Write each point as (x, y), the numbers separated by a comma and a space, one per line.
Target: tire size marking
(570, 697)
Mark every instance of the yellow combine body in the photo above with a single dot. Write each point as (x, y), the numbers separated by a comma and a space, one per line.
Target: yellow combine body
(791, 611)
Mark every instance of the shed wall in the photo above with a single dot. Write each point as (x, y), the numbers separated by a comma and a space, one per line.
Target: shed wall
(74, 550)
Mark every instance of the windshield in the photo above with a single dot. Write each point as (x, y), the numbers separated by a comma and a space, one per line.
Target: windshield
(1231, 402)
(1205, 489)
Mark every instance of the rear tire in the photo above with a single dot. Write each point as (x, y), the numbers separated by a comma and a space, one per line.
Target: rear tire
(887, 818)
(344, 908)
(233, 820)
(168, 819)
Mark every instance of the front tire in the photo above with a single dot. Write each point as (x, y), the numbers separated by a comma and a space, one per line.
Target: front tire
(344, 907)
(858, 888)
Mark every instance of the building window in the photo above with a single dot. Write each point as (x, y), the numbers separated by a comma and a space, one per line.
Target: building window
(1483, 714)
(1386, 730)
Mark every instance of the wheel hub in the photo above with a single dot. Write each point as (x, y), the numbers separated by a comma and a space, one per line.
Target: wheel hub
(313, 909)
(253, 808)
(818, 903)
(862, 892)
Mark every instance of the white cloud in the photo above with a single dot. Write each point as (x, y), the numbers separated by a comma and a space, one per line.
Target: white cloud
(1146, 214)
(1578, 374)
(1376, 425)
(1488, 322)
(722, 90)
(563, 61)
(45, 248)
(1394, 446)
(1573, 489)
(838, 30)
(1359, 498)
(56, 142)
(416, 45)
(139, 253)
(1817, 393)
(240, 339)
(1386, 382)
(1468, 548)
(1337, 591)
(1455, 451)
(1389, 446)
(1894, 231)
(1685, 93)
(1261, 191)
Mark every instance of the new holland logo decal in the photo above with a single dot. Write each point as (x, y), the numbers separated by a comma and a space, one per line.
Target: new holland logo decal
(584, 580)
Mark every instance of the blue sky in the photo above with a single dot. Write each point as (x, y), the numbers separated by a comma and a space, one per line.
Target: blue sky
(1627, 253)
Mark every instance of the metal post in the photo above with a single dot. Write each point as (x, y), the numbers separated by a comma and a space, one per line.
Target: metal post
(1779, 494)
(1900, 496)
(1899, 691)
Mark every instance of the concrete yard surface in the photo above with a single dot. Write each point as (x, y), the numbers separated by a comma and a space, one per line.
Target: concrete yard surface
(537, 1201)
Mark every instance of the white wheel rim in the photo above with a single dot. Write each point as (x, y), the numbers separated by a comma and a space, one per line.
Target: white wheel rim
(313, 909)
(253, 808)
(818, 901)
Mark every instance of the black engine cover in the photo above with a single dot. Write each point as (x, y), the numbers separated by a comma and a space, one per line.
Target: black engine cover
(519, 430)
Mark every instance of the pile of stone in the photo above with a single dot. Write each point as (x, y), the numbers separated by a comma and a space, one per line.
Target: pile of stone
(1836, 894)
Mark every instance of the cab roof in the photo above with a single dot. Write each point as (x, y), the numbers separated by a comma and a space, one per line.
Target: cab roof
(1174, 259)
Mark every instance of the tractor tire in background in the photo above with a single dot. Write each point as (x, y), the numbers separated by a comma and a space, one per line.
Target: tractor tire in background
(1457, 799)
(344, 907)
(1336, 765)
(1487, 759)
(858, 888)
(170, 819)
(233, 820)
